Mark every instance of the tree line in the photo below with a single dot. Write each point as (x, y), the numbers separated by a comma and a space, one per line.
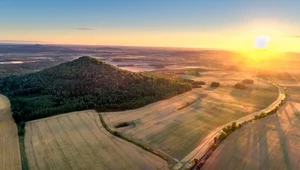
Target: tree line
(85, 83)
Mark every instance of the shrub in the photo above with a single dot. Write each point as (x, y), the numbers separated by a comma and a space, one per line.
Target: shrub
(225, 129)
(223, 136)
(21, 132)
(116, 133)
(215, 139)
(263, 114)
(233, 126)
(228, 127)
(195, 84)
(240, 86)
(215, 84)
(21, 128)
(123, 124)
(248, 81)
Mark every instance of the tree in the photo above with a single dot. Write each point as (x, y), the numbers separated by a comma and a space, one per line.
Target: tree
(240, 86)
(215, 84)
(233, 126)
(222, 136)
(215, 139)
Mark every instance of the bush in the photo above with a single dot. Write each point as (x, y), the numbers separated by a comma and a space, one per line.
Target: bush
(215, 139)
(263, 114)
(123, 124)
(223, 136)
(21, 132)
(225, 129)
(196, 84)
(215, 84)
(233, 126)
(21, 128)
(116, 133)
(240, 86)
(248, 81)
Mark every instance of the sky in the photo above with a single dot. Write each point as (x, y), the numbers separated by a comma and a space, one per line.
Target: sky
(218, 24)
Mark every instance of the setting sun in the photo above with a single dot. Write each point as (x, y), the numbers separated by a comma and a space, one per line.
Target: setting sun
(149, 84)
(261, 42)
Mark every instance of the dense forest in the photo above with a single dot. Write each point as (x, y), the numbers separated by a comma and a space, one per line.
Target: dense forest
(85, 83)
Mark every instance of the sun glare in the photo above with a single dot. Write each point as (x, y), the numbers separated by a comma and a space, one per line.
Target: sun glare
(263, 53)
(261, 42)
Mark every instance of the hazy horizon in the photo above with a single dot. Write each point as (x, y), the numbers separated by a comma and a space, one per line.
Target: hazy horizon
(230, 25)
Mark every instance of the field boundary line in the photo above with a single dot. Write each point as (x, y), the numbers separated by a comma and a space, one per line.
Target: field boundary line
(144, 147)
(117, 140)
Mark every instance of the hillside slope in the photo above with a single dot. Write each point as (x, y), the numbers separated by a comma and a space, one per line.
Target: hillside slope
(85, 83)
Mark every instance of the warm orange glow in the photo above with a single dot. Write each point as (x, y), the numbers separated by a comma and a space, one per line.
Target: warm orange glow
(237, 37)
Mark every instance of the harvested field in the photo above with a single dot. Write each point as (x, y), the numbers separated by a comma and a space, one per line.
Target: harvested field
(79, 141)
(268, 143)
(177, 132)
(9, 145)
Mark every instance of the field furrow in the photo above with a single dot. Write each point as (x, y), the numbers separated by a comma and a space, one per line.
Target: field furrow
(79, 141)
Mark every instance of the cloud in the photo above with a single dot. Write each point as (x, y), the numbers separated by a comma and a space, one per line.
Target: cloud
(84, 28)
(20, 41)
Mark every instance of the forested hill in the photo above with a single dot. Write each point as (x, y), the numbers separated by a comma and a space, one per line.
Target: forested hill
(85, 83)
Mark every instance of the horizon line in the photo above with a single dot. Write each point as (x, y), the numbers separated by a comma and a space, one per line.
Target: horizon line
(21, 42)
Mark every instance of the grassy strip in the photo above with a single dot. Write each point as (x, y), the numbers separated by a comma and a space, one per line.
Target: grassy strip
(118, 134)
(187, 104)
(21, 133)
(226, 131)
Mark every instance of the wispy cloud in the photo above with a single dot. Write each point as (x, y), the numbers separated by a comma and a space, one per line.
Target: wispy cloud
(20, 41)
(84, 28)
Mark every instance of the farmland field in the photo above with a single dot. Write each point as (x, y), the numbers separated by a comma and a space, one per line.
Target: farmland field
(79, 141)
(9, 141)
(176, 126)
(269, 143)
